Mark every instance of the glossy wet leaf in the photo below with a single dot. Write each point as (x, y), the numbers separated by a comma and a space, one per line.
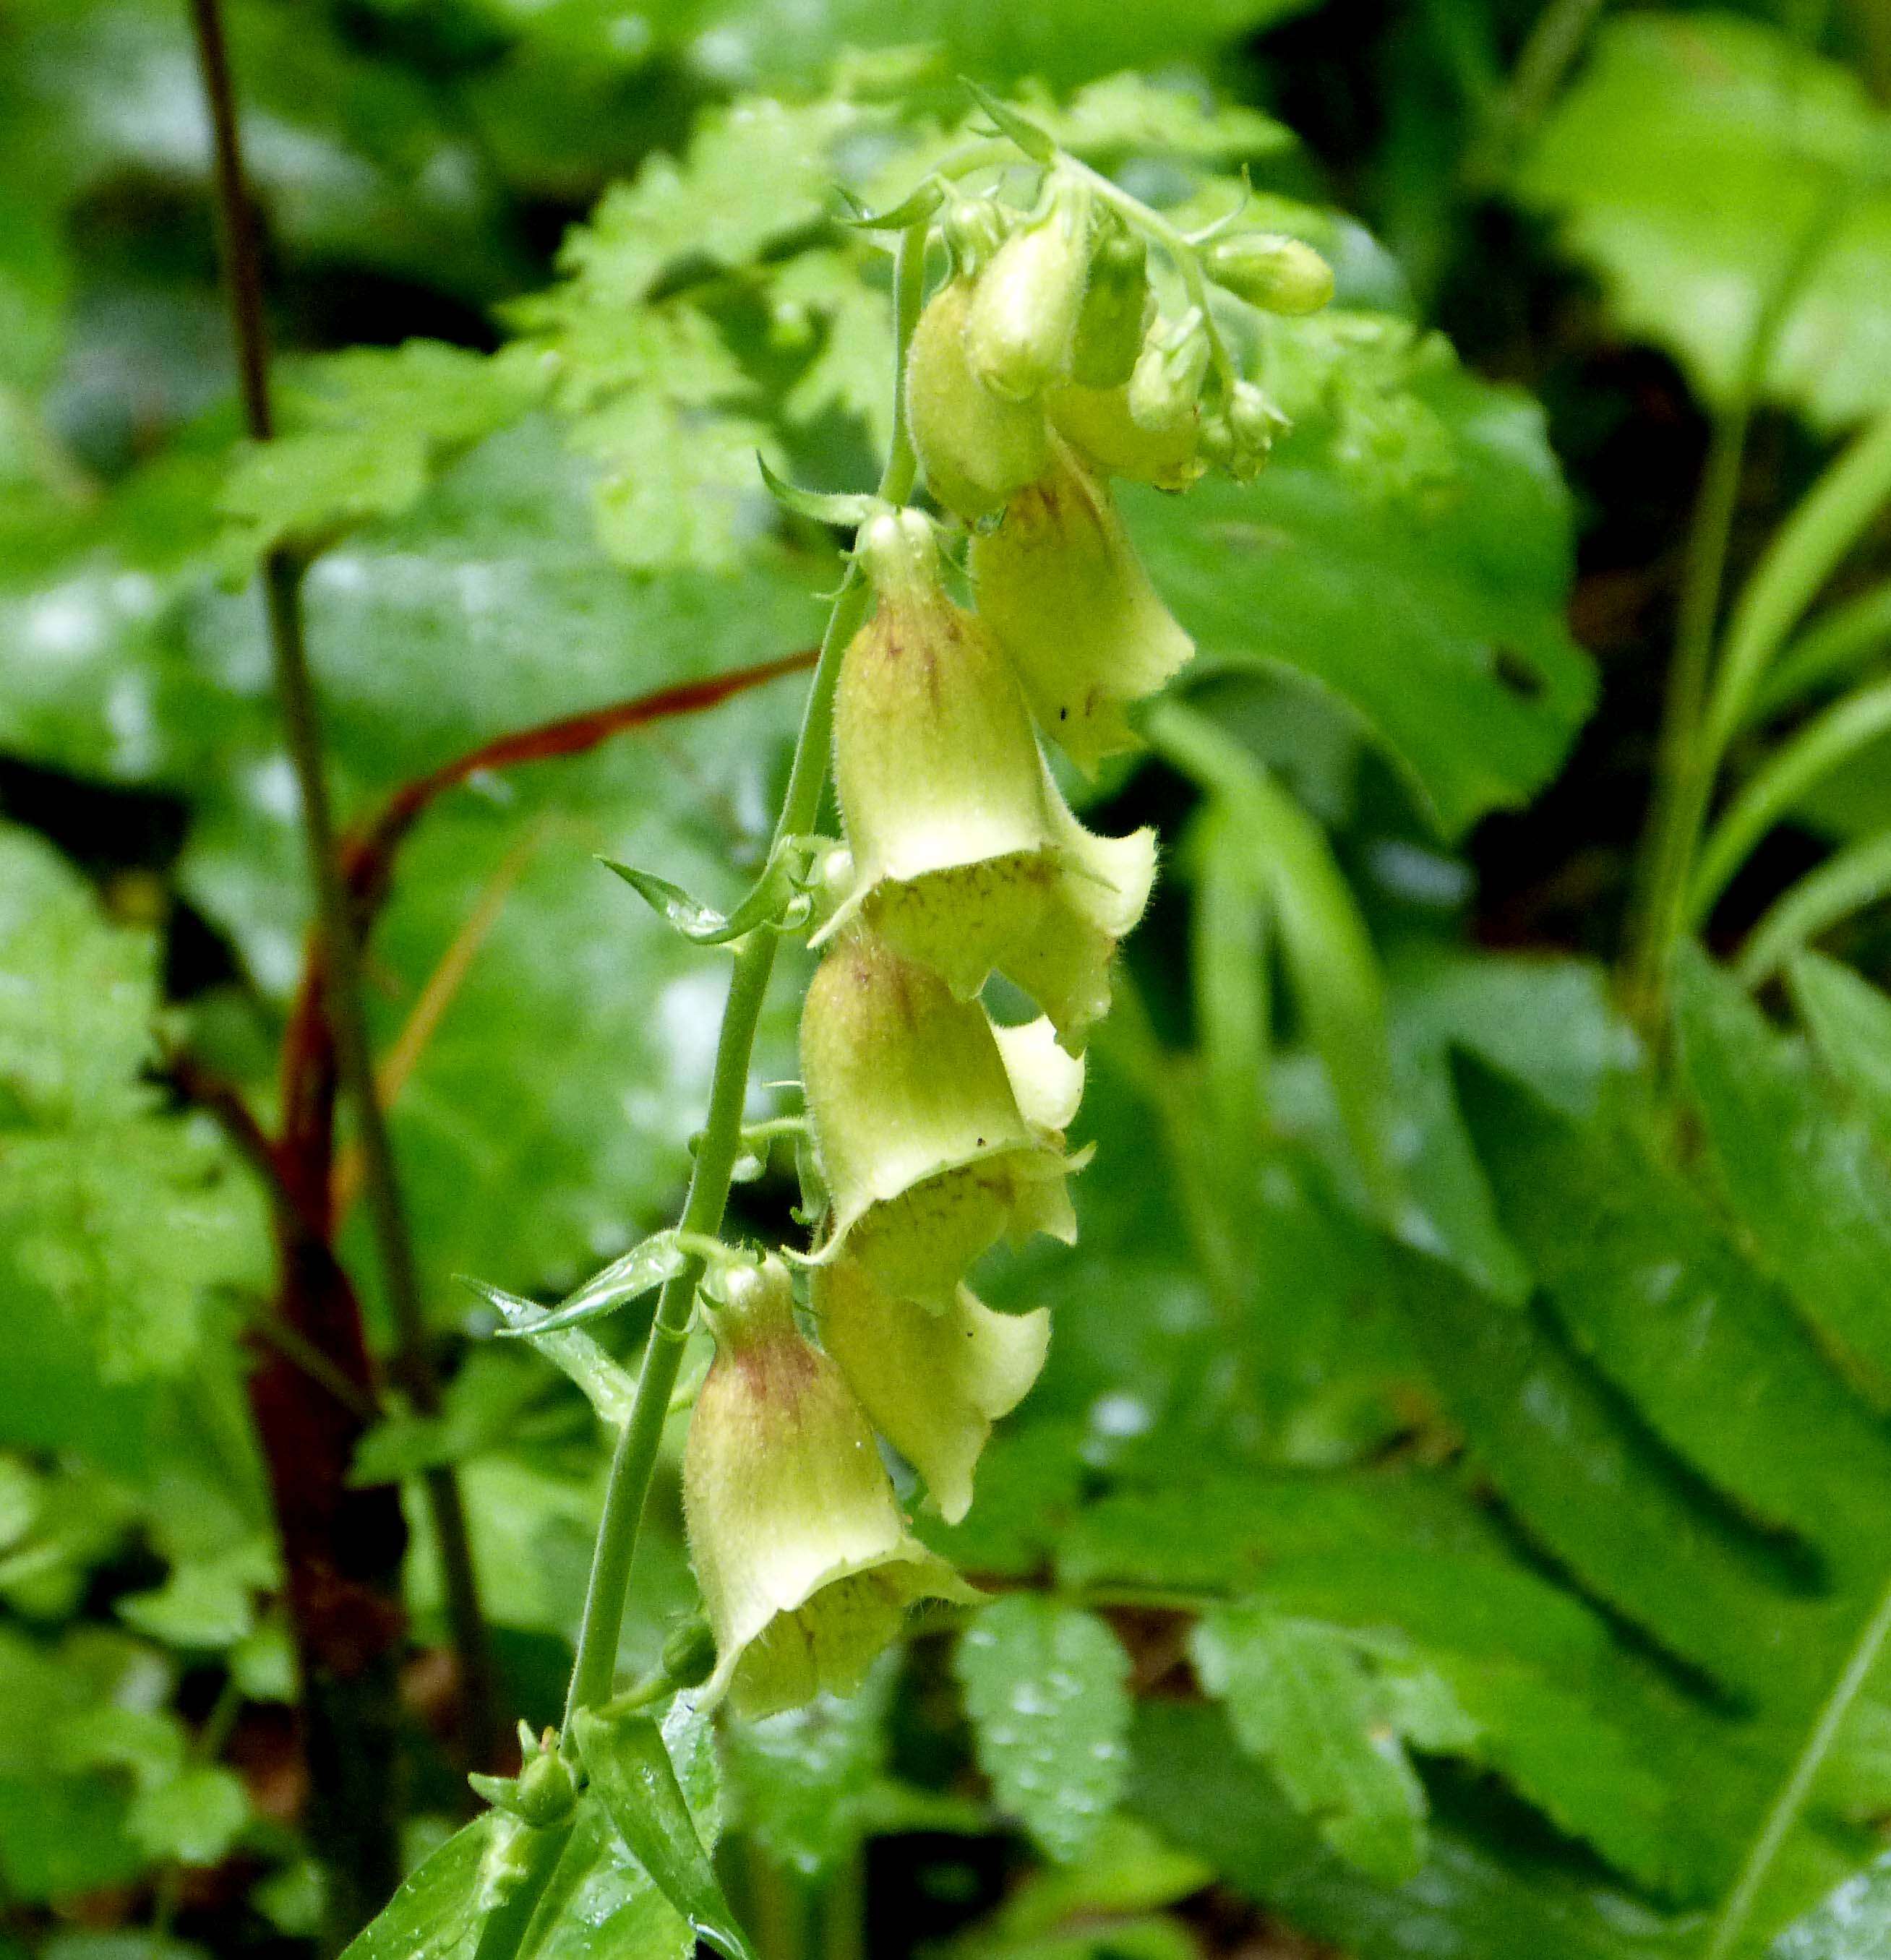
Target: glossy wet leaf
(600, 1898)
(1045, 1687)
(435, 1914)
(359, 161)
(1854, 1924)
(1436, 613)
(1472, 1898)
(628, 1760)
(1695, 157)
(1805, 1176)
(1304, 1698)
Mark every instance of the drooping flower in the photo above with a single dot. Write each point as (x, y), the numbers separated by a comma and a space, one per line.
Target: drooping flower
(806, 1565)
(932, 1381)
(1061, 588)
(964, 855)
(936, 1133)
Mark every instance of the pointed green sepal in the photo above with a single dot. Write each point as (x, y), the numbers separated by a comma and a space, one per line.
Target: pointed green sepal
(778, 898)
(629, 1764)
(607, 1387)
(644, 1267)
(1032, 139)
(920, 204)
(544, 1792)
(850, 510)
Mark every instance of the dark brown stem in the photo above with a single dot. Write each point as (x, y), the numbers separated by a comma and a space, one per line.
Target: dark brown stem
(349, 1753)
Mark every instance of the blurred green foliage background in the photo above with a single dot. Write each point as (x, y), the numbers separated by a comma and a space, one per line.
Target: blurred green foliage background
(1460, 1477)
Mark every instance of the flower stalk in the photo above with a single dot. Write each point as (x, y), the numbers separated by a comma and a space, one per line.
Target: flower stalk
(930, 1131)
(636, 1458)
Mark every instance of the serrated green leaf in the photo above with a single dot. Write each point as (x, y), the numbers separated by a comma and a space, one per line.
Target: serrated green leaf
(1601, 1494)
(1692, 161)
(365, 432)
(751, 173)
(850, 372)
(1709, 1350)
(676, 485)
(1218, 1536)
(1804, 1176)
(119, 1220)
(1045, 1685)
(1131, 114)
(1437, 616)
(1303, 1698)
(1476, 1897)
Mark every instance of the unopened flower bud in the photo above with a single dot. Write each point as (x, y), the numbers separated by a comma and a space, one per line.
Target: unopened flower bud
(1024, 308)
(1267, 268)
(805, 1563)
(1060, 587)
(964, 855)
(1115, 310)
(974, 228)
(689, 1654)
(975, 448)
(545, 1790)
(932, 1147)
(932, 1381)
(1165, 391)
(1251, 423)
(542, 1792)
(1096, 423)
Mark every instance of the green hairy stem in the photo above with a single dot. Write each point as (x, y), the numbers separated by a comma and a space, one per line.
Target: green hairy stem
(635, 1460)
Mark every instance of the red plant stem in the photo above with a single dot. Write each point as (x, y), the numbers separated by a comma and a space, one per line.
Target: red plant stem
(310, 1078)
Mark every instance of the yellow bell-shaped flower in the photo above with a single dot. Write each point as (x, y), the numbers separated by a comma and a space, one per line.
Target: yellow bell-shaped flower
(964, 855)
(1061, 588)
(936, 1133)
(807, 1566)
(932, 1381)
